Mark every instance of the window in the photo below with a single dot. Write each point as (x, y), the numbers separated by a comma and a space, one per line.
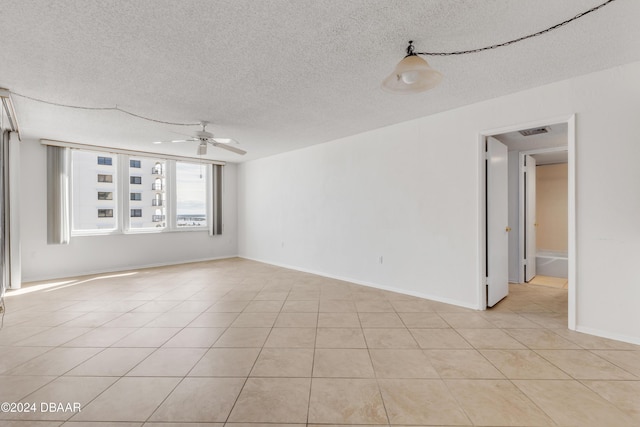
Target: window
(148, 198)
(94, 205)
(191, 195)
(175, 195)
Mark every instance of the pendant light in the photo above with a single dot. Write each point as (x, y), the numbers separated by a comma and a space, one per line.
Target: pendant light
(412, 75)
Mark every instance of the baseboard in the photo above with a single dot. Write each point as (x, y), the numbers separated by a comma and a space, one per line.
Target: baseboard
(127, 268)
(368, 284)
(608, 335)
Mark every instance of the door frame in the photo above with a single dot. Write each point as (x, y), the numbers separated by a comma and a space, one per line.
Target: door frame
(521, 203)
(570, 120)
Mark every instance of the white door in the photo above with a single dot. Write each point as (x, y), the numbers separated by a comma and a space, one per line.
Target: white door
(497, 222)
(530, 219)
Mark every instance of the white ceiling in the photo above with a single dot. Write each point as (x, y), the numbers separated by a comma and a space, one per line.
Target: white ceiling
(279, 75)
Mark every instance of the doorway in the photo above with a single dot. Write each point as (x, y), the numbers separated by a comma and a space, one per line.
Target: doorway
(559, 143)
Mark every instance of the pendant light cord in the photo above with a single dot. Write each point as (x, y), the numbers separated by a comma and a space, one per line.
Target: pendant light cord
(519, 39)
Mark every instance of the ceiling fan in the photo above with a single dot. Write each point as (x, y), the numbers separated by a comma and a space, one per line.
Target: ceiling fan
(205, 138)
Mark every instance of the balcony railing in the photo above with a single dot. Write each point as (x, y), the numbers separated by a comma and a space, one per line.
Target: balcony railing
(157, 202)
(157, 218)
(156, 187)
(157, 171)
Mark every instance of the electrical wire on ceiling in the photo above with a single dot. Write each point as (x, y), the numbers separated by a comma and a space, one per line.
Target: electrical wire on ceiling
(519, 39)
(116, 108)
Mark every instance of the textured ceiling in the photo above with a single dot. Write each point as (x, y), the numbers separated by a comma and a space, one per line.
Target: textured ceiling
(279, 75)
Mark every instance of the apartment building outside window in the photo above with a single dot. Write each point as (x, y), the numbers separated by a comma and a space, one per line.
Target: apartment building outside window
(94, 192)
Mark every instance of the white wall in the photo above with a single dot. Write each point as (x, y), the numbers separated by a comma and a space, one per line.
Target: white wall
(91, 254)
(410, 192)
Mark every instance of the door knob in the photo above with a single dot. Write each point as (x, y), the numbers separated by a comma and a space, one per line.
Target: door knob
(508, 229)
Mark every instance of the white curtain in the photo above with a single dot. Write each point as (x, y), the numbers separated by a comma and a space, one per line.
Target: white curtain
(9, 211)
(58, 195)
(215, 204)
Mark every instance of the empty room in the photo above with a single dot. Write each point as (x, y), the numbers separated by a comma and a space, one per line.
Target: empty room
(319, 213)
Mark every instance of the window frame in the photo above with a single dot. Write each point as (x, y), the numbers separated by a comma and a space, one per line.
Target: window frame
(122, 198)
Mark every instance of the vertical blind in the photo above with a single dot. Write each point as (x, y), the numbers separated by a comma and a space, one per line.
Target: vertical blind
(58, 195)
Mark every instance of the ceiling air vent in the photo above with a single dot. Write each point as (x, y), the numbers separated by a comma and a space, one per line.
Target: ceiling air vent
(534, 131)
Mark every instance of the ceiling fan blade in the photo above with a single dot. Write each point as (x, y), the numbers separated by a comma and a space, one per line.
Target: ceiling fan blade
(184, 140)
(229, 148)
(225, 140)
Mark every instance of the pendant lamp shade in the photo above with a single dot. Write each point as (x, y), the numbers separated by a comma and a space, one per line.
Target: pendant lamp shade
(412, 75)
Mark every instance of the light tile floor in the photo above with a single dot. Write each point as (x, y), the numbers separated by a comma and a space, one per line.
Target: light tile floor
(241, 343)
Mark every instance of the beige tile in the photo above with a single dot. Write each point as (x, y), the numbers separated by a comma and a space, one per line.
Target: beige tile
(401, 364)
(284, 362)
(297, 320)
(342, 363)
(346, 401)
(195, 337)
(111, 362)
(273, 400)
(15, 388)
(423, 320)
(147, 337)
(439, 338)
(131, 320)
(10, 357)
(100, 337)
(200, 400)
(264, 307)
(340, 338)
(243, 337)
(489, 339)
(420, 402)
(228, 307)
(592, 342)
(163, 424)
(337, 306)
(73, 390)
(373, 306)
(55, 362)
(389, 338)
(226, 362)
(168, 362)
(412, 306)
(338, 320)
(627, 360)
(213, 320)
(134, 398)
(53, 337)
(466, 320)
(570, 403)
(496, 403)
(254, 320)
(380, 320)
(272, 296)
(582, 364)
(541, 339)
(462, 364)
(523, 364)
(622, 394)
(509, 320)
(173, 320)
(291, 338)
(294, 306)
